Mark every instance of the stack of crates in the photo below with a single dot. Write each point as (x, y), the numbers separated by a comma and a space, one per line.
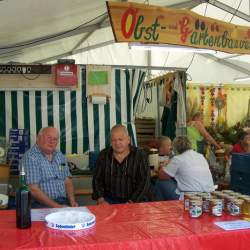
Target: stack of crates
(240, 173)
(19, 140)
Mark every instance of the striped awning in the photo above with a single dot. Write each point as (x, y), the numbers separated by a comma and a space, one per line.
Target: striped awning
(83, 126)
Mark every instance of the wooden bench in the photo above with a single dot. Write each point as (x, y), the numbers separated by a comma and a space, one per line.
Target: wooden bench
(83, 191)
(4, 173)
(145, 131)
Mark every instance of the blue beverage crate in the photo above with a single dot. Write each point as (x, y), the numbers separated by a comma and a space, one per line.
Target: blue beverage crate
(18, 131)
(92, 159)
(240, 173)
(19, 143)
(241, 162)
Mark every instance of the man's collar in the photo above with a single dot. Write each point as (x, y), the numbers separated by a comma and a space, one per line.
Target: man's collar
(131, 149)
(40, 151)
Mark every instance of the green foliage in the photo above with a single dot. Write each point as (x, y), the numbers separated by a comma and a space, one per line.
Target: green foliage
(223, 133)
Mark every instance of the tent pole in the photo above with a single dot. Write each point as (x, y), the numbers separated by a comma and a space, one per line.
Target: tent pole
(148, 67)
(158, 124)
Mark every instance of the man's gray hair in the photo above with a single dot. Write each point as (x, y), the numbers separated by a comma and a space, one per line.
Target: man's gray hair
(42, 130)
(182, 144)
(119, 127)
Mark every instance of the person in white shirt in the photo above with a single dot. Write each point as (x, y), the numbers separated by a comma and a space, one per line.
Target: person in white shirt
(188, 171)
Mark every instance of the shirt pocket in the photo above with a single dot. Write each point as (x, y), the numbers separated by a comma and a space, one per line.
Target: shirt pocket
(61, 170)
(47, 173)
(131, 177)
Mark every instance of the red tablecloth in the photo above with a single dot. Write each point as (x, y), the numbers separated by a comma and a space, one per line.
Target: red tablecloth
(156, 225)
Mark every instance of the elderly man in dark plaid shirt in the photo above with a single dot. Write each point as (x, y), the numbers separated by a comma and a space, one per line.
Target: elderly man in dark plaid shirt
(47, 172)
(122, 171)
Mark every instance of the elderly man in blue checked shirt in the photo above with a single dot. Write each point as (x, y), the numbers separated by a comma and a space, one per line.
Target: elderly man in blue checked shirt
(47, 172)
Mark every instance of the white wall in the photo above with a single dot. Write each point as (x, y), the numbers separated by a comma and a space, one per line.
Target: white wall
(204, 70)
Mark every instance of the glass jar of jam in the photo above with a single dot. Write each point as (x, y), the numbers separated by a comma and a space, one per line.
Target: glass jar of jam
(215, 207)
(206, 203)
(153, 159)
(195, 207)
(187, 197)
(246, 207)
(227, 202)
(236, 207)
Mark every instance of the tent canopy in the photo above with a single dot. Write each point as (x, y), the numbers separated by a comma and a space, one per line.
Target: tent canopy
(34, 31)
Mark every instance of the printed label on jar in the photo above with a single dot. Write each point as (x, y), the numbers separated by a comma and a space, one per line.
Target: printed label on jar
(186, 204)
(235, 210)
(205, 205)
(229, 206)
(217, 210)
(195, 211)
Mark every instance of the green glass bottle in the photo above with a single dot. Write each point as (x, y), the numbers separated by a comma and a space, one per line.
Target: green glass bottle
(23, 203)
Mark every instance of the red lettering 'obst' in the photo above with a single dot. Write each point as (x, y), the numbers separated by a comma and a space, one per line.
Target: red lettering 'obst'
(132, 12)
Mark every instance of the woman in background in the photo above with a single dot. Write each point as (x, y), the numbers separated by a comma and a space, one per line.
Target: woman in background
(198, 134)
(243, 145)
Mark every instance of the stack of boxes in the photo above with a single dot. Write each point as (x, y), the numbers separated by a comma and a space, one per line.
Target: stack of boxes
(19, 140)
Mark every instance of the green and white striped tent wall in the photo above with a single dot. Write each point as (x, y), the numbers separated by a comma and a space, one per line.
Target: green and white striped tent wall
(83, 126)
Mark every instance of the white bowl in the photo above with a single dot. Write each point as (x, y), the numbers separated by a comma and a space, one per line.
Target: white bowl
(3, 200)
(70, 220)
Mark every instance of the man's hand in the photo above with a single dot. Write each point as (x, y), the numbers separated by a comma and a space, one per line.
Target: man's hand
(163, 164)
(70, 192)
(73, 203)
(43, 198)
(59, 206)
(101, 201)
(163, 175)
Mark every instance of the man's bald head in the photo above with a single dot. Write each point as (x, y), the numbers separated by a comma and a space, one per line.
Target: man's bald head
(120, 139)
(121, 128)
(47, 139)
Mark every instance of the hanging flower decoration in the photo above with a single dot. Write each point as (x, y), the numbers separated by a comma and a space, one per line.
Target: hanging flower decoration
(202, 91)
(220, 103)
(220, 100)
(168, 89)
(212, 104)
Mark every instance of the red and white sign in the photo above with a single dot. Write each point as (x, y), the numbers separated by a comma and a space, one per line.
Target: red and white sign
(66, 75)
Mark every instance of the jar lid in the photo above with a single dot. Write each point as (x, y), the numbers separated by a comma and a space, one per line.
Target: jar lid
(216, 200)
(195, 197)
(243, 196)
(153, 150)
(227, 196)
(216, 192)
(238, 201)
(189, 194)
(206, 197)
(195, 202)
(227, 191)
(203, 194)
